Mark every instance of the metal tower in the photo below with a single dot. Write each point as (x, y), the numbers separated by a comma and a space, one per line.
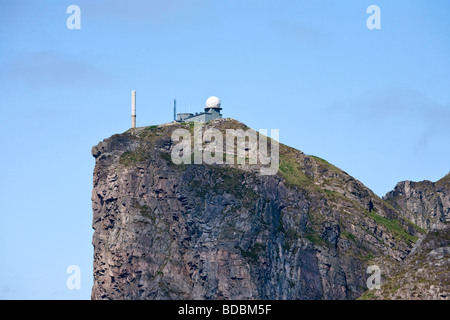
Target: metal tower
(174, 109)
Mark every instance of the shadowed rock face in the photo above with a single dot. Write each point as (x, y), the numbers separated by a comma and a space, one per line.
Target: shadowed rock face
(166, 231)
(425, 203)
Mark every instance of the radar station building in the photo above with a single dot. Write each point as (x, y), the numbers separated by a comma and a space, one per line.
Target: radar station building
(212, 111)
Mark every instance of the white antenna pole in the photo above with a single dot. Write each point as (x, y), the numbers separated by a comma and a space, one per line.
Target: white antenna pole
(133, 109)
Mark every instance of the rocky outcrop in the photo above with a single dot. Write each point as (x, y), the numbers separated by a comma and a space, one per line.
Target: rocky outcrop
(425, 273)
(166, 231)
(425, 203)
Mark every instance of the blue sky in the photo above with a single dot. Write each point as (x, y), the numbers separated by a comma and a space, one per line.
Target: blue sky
(375, 103)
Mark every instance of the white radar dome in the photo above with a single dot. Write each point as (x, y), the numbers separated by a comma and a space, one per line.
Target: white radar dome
(213, 102)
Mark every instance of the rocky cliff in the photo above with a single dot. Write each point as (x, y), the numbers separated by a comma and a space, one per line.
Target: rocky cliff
(425, 203)
(425, 273)
(166, 231)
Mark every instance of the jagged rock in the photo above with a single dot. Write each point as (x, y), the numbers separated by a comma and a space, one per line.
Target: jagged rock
(425, 203)
(423, 275)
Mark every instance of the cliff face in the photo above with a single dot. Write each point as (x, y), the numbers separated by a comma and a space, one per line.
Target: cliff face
(425, 273)
(166, 231)
(425, 203)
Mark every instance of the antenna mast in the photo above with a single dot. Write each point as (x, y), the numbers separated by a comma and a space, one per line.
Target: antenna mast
(174, 109)
(133, 109)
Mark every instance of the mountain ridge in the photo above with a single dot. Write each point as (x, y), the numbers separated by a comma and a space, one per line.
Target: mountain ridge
(425, 203)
